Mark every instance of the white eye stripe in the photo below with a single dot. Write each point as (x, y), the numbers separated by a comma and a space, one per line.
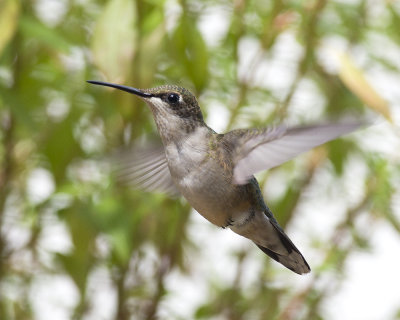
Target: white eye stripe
(159, 101)
(156, 101)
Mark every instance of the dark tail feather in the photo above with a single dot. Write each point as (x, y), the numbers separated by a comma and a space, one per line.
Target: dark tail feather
(293, 261)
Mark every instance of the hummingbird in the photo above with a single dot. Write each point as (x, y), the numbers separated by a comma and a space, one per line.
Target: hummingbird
(215, 172)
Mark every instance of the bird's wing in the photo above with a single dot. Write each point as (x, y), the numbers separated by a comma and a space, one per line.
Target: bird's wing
(258, 150)
(145, 167)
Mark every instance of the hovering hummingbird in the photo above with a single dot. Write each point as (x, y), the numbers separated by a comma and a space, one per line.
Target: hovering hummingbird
(214, 172)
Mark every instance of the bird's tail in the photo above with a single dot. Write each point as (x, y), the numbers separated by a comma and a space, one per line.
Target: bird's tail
(292, 258)
(262, 228)
(293, 261)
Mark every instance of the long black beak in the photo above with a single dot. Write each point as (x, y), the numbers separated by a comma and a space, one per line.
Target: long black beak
(123, 88)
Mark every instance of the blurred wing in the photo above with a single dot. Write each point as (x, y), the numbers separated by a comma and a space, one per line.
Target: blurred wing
(272, 147)
(146, 168)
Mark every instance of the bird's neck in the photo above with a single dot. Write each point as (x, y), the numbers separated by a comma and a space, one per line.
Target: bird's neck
(177, 129)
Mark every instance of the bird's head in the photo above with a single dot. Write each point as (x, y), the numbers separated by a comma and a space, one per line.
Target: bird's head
(167, 101)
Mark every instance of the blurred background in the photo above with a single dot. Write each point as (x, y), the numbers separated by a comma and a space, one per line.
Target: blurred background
(75, 244)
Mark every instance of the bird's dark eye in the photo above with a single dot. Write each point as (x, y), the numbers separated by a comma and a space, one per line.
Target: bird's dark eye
(172, 97)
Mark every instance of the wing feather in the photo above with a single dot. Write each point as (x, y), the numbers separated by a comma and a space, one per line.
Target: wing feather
(265, 149)
(146, 168)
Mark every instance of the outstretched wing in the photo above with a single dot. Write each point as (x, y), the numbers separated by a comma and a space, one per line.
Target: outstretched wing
(145, 167)
(259, 150)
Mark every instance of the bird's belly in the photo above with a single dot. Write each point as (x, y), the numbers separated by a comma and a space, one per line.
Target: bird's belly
(203, 182)
(210, 193)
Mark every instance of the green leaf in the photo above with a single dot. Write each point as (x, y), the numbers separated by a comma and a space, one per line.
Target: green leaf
(60, 146)
(338, 152)
(190, 51)
(355, 81)
(381, 191)
(79, 261)
(113, 42)
(151, 47)
(9, 12)
(121, 244)
(32, 28)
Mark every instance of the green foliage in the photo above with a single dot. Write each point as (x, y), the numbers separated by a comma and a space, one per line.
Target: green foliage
(116, 43)
(52, 121)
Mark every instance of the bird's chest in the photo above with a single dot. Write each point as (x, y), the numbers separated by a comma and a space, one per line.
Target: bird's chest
(201, 179)
(186, 160)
